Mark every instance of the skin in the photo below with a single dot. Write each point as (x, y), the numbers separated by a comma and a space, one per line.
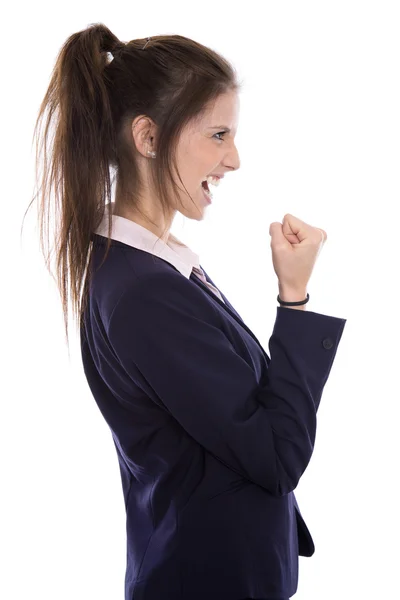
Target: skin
(202, 150)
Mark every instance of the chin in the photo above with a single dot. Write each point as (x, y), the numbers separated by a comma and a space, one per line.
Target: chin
(196, 213)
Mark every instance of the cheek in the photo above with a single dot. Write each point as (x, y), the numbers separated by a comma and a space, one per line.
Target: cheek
(206, 160)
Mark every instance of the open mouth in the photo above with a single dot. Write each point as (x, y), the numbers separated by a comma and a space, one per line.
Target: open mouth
(207, 193)
(205, 185)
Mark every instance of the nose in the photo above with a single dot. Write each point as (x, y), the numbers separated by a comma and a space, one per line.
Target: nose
(232, 160)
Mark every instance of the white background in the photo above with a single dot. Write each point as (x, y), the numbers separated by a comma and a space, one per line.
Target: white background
(318, 137)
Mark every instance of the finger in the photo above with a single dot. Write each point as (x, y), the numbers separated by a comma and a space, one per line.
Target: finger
(295, 227)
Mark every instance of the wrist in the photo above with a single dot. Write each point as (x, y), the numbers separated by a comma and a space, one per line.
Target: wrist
(293, 295)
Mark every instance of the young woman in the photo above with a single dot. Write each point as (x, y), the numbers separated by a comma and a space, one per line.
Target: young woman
(212, 434)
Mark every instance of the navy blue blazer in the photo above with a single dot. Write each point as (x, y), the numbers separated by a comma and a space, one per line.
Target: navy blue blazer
(212, 434)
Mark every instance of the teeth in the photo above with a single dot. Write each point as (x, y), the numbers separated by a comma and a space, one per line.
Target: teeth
(213, 180)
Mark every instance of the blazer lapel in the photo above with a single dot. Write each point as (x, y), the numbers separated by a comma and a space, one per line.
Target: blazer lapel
(224, 297)
(228, 307)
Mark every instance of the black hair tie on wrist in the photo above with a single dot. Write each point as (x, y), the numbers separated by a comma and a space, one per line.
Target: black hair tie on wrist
(293, 303)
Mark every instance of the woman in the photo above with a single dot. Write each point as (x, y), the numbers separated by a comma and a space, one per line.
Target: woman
(212, 435)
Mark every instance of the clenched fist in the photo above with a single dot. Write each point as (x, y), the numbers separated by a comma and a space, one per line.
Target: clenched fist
(295, 248)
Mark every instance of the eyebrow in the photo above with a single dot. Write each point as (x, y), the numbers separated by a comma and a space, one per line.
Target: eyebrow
(221, 127)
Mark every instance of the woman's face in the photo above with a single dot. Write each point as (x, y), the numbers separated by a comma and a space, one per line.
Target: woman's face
(206, 148)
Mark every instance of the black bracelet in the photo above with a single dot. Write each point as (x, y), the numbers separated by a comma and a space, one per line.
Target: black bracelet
(293, 303)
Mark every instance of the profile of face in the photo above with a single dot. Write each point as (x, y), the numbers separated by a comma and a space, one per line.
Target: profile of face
(205, 147)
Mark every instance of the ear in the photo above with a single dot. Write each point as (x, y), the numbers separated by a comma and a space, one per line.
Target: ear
(144, 132)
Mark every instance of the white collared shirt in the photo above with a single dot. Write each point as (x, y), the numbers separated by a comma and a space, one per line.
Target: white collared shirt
(135, 235)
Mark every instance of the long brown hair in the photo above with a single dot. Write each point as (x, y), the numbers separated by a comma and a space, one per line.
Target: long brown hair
(91, 103)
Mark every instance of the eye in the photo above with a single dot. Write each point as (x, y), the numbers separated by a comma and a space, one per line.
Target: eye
(220, 133)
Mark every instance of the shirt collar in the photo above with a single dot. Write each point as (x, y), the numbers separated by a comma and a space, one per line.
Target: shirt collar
(135, 235)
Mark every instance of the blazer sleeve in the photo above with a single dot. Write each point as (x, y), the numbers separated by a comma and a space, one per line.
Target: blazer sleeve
(265, 432)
